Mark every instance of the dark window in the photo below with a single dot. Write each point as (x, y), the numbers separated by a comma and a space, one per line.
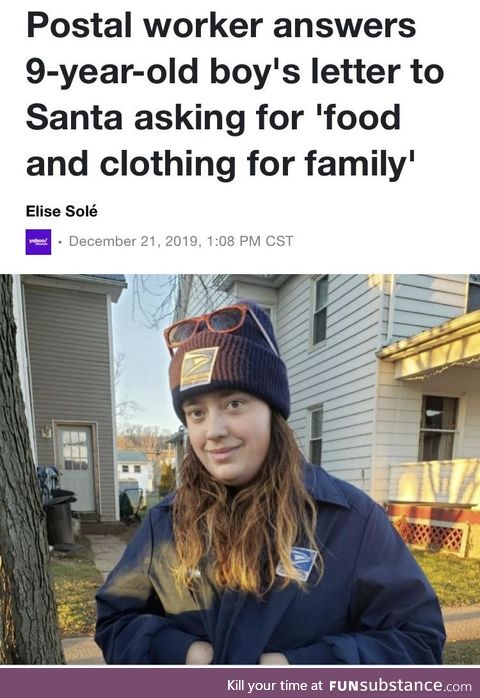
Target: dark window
(473, 301)
(320, 310)
(316, 431)
(437, 428)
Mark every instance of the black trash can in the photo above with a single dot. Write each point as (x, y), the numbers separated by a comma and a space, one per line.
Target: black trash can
(59, 520)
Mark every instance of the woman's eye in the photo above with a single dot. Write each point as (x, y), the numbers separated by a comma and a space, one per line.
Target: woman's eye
(235, 404)
(194, 414)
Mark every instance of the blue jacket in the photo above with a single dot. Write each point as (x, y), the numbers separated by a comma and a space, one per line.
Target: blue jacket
(373, 605)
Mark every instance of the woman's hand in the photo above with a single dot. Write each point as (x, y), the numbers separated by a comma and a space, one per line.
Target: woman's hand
(273, 658)
(199, 652)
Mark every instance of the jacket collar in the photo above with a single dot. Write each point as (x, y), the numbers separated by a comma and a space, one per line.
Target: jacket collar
(322, 486)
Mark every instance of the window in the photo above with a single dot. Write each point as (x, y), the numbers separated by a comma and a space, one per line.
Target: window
(124, 468)
(473, 300)
(316, 428)
(137, 469)
(437, 428)
(320, 300)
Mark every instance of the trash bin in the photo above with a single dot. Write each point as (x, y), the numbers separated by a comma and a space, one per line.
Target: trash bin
(59, 520)
(62, 493)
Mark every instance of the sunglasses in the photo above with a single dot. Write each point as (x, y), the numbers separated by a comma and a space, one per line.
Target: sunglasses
(224, 320)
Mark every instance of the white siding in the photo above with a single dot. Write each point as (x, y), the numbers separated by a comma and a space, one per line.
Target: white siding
(399, 413)
(445, 482)
(370, 420)
(339, 373)
(204, 296)
(422, 301)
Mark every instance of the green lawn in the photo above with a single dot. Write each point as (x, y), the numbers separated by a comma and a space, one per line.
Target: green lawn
(456, 581)
(76, 579)
(467, 652)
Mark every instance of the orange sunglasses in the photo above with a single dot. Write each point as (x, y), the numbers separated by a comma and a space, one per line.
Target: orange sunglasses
(224, 320)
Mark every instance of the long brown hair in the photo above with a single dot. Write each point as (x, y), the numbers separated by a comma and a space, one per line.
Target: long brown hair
(244, 534)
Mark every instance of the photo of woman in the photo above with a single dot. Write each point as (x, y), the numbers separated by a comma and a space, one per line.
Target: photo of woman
(259, 557)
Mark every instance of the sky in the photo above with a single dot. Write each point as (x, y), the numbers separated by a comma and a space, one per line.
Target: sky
(144, 369)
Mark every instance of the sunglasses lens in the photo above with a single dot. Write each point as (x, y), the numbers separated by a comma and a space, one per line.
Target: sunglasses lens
(227, 319)
(181, 333)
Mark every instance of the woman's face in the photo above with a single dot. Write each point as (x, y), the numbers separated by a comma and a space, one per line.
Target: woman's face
(230, 434)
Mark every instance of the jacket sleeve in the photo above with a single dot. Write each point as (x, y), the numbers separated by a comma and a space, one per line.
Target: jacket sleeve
(394, 614)
(131, 624)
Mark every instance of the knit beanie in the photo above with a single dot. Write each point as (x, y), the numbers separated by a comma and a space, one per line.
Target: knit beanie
(240, 360)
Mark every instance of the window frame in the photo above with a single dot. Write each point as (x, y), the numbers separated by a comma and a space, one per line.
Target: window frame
(314, 311)
(471, 282)
(457, 446)
(310, 411)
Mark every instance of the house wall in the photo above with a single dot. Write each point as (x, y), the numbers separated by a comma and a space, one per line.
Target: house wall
(204, 296)
(143, 478)
(345, 387)
(370, 419)
(70, 370)
(22, 357)
(421, 301)
(399, 406)
(339, 373)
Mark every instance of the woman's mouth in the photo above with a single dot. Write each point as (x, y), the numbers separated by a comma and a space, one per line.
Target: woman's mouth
(222, 454)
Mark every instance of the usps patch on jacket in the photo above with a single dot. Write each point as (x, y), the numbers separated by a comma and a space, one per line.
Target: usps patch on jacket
(302, 559)
(197, 367)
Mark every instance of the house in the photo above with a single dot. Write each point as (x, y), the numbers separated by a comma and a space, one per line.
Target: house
(385, 385)
(65, 353)
(135, 471)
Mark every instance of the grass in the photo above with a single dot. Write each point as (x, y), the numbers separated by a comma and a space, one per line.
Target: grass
(76, 579)
(467, 652)
(456, 581)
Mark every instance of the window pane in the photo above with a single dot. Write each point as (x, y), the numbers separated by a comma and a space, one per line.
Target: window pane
(473, 302)
(316, 451)
(439, 412)
(317, 419)
(435, 446)
(320, 326)
(321, 292)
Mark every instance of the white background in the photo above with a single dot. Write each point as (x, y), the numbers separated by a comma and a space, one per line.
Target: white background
(425, 221)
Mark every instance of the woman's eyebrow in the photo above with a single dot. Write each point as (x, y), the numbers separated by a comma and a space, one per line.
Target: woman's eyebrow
(189, 403)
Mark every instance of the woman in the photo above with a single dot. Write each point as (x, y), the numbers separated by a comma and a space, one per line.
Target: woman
(259, 557)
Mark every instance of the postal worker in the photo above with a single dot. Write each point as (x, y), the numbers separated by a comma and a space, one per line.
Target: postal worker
(259, 557)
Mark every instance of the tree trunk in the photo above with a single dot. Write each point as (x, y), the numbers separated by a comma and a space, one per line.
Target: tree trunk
(28, 618)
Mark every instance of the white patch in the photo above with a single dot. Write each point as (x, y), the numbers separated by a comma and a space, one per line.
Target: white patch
(303, 561)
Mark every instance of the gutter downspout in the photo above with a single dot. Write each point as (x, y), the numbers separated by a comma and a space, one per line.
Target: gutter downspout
(391, 308)
(381, 303)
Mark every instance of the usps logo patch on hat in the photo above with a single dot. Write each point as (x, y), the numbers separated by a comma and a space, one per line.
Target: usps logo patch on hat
(197, 367)
(302, 559)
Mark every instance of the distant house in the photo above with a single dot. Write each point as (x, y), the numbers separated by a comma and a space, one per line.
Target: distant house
(65, 352)
(135, 471)
(384, 373)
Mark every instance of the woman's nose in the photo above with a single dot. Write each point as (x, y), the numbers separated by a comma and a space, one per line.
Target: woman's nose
(217, 426)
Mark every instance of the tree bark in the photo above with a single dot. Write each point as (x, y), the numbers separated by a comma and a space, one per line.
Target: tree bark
(28, 618)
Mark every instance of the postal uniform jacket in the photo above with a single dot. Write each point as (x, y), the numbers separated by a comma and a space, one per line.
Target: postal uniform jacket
(372, 605)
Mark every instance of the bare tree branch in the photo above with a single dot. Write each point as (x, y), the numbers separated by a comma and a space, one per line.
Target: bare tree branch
(123, 407)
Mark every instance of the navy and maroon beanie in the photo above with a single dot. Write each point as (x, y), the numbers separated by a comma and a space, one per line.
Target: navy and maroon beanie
(240, 360)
